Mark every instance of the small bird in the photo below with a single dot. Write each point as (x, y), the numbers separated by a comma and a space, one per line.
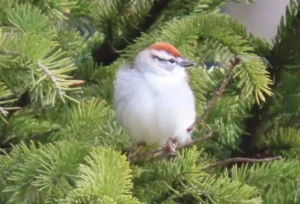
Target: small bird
(153, 99)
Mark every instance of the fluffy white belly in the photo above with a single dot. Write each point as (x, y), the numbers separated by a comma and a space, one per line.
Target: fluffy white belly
(154, 109)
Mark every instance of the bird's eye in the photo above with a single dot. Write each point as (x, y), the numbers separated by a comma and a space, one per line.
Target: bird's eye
(171, 60)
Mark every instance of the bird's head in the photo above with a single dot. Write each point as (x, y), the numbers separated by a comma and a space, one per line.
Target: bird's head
(161, 58)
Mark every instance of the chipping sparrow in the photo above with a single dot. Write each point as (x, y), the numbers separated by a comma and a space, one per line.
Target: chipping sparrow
(153, 99)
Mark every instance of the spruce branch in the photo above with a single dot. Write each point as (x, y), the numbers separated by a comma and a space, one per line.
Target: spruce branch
(242, 160)
(286, 42)
(106, 53)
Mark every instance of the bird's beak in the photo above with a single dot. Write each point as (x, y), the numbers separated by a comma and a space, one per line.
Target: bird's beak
(186, 63)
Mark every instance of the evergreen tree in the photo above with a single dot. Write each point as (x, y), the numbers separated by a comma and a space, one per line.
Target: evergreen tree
(59, 138)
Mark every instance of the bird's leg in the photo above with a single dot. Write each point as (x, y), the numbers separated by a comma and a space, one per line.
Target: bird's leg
(170, 146)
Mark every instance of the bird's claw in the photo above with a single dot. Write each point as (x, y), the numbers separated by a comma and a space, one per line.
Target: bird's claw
(170, 147)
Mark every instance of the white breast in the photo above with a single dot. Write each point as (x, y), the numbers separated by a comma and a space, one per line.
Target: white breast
(154, 108)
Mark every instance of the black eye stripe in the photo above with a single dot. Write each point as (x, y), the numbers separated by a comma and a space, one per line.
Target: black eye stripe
(168, 60)
(160, 59)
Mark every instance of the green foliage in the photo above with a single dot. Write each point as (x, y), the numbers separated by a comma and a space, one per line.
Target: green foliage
(269, 177)
(106, 177)
(285, 193)
(5, 93)
(45, 66)
(93, 122)
(56, 151)
(252, 77)
(117, 19)
(157, 179)
(170, 181)
(53, 167)
(253, 80)
(283, 141)
(35, 23)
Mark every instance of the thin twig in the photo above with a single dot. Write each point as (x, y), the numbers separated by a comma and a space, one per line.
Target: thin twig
(219, 91)
(242, 160)
(8, 52)
(52, 78)
(145, 155)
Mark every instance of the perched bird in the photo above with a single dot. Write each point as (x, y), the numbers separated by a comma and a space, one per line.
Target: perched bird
(153, 99)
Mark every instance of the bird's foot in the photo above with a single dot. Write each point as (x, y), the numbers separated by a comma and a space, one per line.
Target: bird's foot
(170, 147)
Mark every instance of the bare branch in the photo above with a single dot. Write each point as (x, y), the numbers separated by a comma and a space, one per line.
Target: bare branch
(160, 150)
(8, 52)
(242, 160)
